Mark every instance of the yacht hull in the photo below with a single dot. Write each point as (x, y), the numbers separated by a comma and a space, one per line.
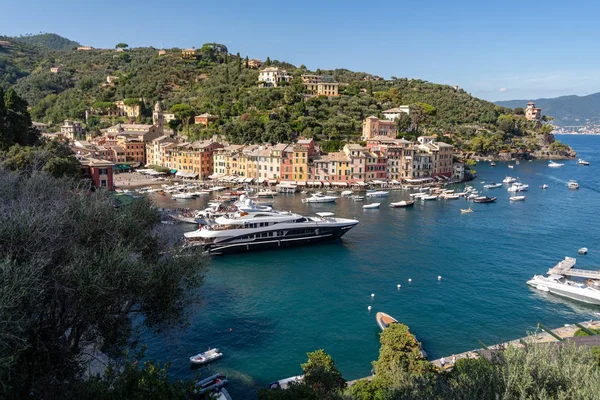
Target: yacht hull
(271, 243)
(559, 291)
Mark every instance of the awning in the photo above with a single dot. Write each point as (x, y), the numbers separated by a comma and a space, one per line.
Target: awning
(287, 183)
(313, 183)
(185, 174)
(326, 184)
(173, 171)
(302, 183)
(272, 180)
(261, 180)
(248, 180)
(344, 184)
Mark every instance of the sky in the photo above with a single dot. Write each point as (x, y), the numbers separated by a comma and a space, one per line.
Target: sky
(494, 50)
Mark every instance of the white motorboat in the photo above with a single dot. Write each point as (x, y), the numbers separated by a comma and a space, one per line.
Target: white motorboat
(246, 204)
(417, 195)
(220, 394)
(583, 250)
(320, 198)
(559, 285)
(544, 186)
(466, 211)
(517, 162)
(511, 166)
(573, 185)
(517, 198)
(183, 196)
(267, 230)
(266, 193)
(509, 179)
(553, 164)
(431, 197)
(518, 187)
(346, 193)
(378, 193)
(371, 205)
(582, 162)
(206, 357)
(449, 196)
(183, 219)
(403, 203)
(492, 185)
(358, 198)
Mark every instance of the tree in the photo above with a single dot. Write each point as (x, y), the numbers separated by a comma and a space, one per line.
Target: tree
(238, 59)
(184, 112)
(246, 61)
(121, 45)
(403, 122)
(519, 111)
(321, 374)
(268, 62)
(15, 121)
(69, 280)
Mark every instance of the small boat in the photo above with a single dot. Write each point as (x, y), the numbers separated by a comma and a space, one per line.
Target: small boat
(492, 185)
(378, 193)
(517, 198)
(517, 162)
(583, 250)
(208, 356)
(511, 166)
(209, 384)
(553, 164)
(425, 198)
(492, 164)
(544, 186)
(221, 394)
(582, 162)
(450, 196)
(358, 198)
(266, 193)
(509, 179)
(346, 193)
(573, 185)
(384, 321)
(466, 211)
(371, 205)
(183, 196)
(403, 203)
(184, 219)
(284, 383)
(518, 187)
(484, 199)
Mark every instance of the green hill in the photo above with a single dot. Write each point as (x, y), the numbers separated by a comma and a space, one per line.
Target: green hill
(50, 41)
(568, 110)
(219, 83)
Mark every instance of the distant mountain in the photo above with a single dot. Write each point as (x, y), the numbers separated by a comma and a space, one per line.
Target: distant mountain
(568, 110)
(50, 41)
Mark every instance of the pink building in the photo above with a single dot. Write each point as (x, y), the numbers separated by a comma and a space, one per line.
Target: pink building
(373, 126)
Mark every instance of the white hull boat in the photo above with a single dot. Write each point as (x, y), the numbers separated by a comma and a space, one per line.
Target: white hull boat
(583, 250)
(559, 285)
(573, 185)
(206, 357)
(378, 193)
(492, 185)
(403, 203)
(511, 166)
(544, 186)
(582, 162)
(517, 198)
(509, 179)
(553, 164)
(346, 193)
(371, 206)
(426, 198)
(320, 198)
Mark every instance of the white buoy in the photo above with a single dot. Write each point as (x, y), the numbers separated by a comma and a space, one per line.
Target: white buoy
(369, 308)
(372, 294)
(399, 286)
(439, 277)
(410, 280)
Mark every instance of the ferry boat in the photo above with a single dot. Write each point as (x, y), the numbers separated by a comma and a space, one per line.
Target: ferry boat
(267, 230)
(559, 285)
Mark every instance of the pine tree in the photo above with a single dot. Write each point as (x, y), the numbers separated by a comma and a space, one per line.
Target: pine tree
(239, 62)
(268, 62)
(16, 128)
(247, 62)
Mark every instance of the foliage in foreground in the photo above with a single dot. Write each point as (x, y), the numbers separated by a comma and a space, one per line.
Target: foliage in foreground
(78, 273)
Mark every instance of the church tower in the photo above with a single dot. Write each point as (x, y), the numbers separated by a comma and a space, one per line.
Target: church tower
(158, 118)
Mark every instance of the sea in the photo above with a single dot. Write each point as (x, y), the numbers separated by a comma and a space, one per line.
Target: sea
(266, 310)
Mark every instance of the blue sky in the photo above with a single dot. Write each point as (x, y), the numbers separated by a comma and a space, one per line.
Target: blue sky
(494, 50)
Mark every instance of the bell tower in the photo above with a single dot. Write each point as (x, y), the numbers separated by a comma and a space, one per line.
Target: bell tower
(158, 118)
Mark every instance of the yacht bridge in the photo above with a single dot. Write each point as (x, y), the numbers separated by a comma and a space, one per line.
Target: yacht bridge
(565, 267)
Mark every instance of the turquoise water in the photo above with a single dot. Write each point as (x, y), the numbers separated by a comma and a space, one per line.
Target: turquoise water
(282, 304)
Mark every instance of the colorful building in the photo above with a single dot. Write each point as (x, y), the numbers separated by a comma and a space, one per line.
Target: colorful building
(100, 172)
(373, 126)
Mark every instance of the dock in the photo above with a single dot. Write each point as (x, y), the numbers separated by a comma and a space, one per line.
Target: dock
(542, 335)
(565, 267)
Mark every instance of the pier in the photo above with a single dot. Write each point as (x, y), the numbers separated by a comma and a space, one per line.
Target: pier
(565, 267)
(542, 335)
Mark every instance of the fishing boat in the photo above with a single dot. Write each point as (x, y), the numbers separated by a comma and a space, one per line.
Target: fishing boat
(484, 199)
(553, 164)
(582, 162)
(209, 384)
(517, 198)
(492, 185)
(583, 250)
(371, 205)
(573, 185)
(403, 203)
(206, 357)
(384, 321)
(466, 211)
(544, 186)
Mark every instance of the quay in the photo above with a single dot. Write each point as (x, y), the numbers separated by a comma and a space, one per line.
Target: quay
(565, 267)
(542, 335)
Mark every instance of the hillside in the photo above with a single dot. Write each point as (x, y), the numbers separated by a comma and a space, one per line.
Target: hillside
(220, 83)
(568, 110)
(50, 41)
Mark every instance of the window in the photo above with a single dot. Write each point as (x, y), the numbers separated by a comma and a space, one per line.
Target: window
(103, 183)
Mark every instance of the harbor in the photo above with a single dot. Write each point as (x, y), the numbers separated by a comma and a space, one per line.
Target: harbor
(281, 304)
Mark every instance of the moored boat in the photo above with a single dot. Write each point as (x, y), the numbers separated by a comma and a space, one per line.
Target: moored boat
(492, 185)
(209, 384)
(403, 203)
(206, 357)
(517, 198)
(378, 193)
(509, 179)
(583, 250)
(320, 198)
(544, 186)
(484, 199)
(371, 205)
(561, 286)
(582, 162)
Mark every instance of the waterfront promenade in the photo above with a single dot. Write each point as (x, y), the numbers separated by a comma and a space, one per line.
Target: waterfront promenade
(540, 336)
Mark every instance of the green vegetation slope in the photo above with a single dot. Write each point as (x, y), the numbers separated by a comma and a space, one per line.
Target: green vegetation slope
(50, 41)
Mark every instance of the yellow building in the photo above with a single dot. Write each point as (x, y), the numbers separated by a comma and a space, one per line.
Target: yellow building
(300, 163)
(188, 53)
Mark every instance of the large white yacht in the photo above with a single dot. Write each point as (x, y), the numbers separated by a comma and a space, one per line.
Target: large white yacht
(564, 287)
(264, 230)
(319, 198)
